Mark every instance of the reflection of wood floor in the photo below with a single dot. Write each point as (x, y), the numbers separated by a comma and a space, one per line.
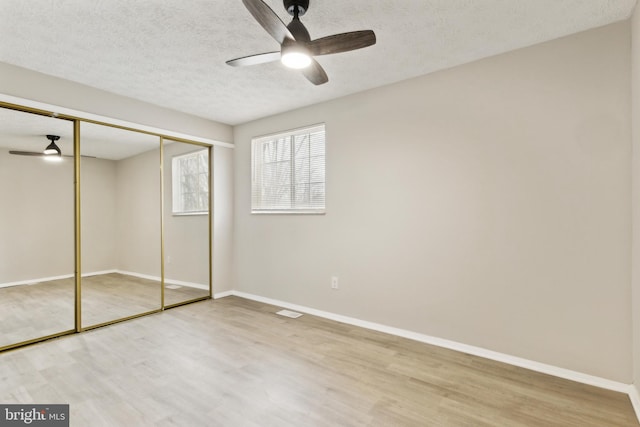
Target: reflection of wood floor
(233, 362)
(41, 309)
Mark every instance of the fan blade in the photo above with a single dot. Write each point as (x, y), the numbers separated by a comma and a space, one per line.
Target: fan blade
(36, 154)
(315, 73)
(268, 19)
(260, 58)
(343, 42)
(26, 153)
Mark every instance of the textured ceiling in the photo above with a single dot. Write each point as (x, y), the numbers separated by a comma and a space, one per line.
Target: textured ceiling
(173, 52)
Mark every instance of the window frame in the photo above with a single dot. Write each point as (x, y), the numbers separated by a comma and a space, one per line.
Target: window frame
(289, 135)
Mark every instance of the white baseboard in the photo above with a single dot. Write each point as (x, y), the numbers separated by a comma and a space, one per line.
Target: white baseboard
(223, 294)
(452, 345)
(634, 396)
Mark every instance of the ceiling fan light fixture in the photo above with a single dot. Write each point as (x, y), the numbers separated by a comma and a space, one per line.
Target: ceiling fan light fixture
(53, 152)
(297, 50)
(295, 56)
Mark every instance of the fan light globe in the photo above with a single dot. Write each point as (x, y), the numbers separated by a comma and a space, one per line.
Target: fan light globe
(295, 56)
(296, 60)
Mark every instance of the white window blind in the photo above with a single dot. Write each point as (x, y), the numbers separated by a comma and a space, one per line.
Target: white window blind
(288, 172)
(190, 183)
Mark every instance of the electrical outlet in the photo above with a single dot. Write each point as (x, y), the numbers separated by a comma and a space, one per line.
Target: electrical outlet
(334, 282)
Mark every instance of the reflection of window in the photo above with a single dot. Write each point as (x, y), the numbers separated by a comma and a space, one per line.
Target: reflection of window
(190, 174)
(288, 172)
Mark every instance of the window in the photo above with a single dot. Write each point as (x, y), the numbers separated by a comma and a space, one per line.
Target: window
(288, 172)
(190, 183)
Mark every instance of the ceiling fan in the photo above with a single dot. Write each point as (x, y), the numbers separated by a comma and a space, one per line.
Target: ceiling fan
(296, 47)
(52, 152)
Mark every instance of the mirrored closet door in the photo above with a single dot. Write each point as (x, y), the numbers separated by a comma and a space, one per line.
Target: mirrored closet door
(186, 222)
(118, 230)
(120, 224)
(37, 285)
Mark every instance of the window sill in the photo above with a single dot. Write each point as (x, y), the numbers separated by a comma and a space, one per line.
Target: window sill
(189, 213)
(289, 212)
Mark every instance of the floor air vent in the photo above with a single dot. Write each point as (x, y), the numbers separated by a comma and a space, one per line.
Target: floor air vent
(291, 314)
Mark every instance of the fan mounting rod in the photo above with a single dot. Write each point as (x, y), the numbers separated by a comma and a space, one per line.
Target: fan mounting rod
(301, 5)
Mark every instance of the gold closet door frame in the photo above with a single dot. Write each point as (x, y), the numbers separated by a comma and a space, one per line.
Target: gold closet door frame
(78, 221)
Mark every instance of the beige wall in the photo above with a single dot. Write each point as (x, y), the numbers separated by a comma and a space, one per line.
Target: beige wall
(138, 213)
(222, 219)
(635, 194)
(118, 226)
(487, 204)
(36, 218)
(38, 234)
(99, 215)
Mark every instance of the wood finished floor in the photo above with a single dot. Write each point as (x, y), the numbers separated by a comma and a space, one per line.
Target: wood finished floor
(42, 309)
(233, 362)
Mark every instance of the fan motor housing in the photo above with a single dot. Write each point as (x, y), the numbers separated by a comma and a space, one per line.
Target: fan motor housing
(302, 5)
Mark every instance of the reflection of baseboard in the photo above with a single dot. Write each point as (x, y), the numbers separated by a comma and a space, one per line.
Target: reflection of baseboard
(34, 281)
(52, 278)
(139, 275)
(166, 281)
(98, 273)
(187, 284)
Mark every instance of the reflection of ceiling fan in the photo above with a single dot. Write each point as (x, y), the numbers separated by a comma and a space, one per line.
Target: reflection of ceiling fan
(296, 47)
(52, 152)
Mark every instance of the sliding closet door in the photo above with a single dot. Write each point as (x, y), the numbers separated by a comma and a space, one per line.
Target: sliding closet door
(36, 227)
(186, 222)
(120, 224)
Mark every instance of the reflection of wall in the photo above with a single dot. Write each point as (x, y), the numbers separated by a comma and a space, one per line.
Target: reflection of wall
(186, 238)
(120, 219)
(36, 218)
(37, 236)
(98, 198)
(138, 214)
(222, 219)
